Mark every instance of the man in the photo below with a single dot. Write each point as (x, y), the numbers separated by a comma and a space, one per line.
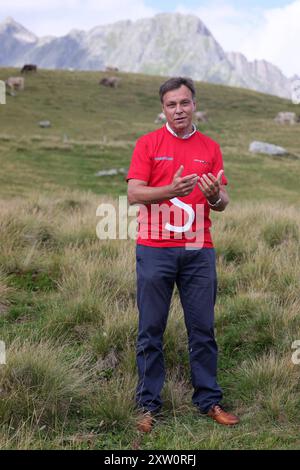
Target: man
(178, 168)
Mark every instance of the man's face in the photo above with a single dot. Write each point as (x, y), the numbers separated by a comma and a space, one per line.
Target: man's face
(178, 106)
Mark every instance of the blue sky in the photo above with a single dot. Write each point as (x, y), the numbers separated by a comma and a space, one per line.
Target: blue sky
(265, 29)
(169, 4)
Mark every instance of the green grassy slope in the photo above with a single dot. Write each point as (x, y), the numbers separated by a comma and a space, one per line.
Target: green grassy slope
(102, 124)
(67, 300)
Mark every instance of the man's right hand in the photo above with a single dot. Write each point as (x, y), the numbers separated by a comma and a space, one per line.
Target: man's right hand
(183, 186)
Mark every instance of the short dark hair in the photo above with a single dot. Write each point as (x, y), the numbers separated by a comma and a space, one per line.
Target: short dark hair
(175, 83)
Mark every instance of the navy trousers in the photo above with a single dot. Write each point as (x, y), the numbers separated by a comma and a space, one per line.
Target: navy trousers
(194, 272)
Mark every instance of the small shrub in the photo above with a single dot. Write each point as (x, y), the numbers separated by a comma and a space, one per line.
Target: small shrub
(278, 232)
(38, 384)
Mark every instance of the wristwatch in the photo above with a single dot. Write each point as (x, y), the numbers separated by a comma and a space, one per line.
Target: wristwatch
(216, 203)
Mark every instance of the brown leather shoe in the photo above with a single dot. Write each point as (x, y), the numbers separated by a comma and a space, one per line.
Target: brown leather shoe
(145, 422)
(222, 417)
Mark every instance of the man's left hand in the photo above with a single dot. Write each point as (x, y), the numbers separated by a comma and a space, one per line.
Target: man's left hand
(210, 186)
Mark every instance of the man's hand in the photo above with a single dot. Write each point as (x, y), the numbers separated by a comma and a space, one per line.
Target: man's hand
(210, 186)
(183, 186)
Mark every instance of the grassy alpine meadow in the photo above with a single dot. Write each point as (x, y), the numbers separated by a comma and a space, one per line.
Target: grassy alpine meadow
(68, 315)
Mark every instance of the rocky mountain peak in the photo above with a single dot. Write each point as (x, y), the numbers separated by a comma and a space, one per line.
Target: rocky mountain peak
(166, 44)
(10, 27)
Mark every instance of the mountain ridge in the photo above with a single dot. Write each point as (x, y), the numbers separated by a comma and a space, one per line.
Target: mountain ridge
(147, 46)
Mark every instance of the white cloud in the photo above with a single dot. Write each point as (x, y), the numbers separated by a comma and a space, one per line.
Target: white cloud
(35, 4)
(228, 24)
(270, 34)
(54, 17)
(277, 40)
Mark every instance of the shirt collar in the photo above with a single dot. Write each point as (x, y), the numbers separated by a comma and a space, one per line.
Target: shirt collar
(187, 136)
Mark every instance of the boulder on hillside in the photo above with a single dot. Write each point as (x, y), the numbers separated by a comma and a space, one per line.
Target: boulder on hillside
(201, 116)
(110, 68)
(265, 148)
(112, 172)
(286, 118)
(45, 124)
(160, 118)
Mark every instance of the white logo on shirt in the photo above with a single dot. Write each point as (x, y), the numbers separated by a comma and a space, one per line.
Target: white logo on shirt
(191, 214)
(164, 158)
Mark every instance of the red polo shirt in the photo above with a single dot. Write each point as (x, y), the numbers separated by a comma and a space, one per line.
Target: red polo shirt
(182, 220)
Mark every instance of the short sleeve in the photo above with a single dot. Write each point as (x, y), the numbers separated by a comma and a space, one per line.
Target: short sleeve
(141, 163)
(218, 165)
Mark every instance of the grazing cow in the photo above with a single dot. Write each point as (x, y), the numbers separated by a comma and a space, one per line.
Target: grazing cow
(286, 118)
(112, 82)
(201, 116)
(29, 68)
(109, 68)
(15, 83)
(160, 118)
